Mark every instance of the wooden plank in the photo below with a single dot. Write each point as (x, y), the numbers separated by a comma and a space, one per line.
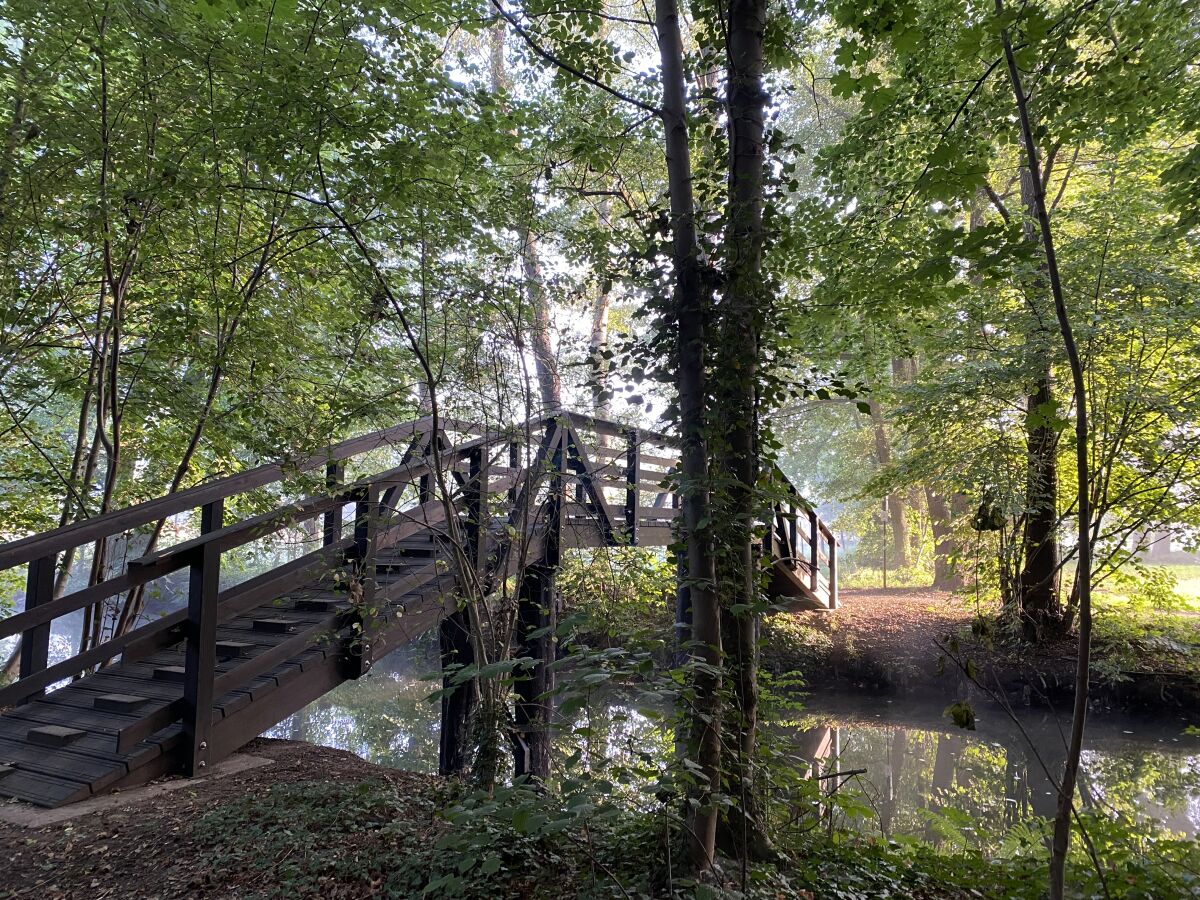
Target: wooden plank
(72, 766)
(273, 657)
(34, 715)
(43, 790)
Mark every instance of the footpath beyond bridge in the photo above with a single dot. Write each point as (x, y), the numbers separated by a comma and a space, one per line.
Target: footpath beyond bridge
(183, 691)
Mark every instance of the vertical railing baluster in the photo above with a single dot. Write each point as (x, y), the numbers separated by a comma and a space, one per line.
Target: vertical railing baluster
(633, 477)
(425, 484)
(335, 477)
(366, 525)
(814, 547)
(833, 574)
(35, 642)
(514, 465)
(200, 654)
(793, 532)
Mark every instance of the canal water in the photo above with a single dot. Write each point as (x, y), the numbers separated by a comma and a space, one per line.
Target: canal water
(898, 769)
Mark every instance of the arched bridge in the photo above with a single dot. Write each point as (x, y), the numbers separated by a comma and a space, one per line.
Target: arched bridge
(372, 528)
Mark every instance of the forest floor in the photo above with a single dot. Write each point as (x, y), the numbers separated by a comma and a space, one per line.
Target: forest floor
(921, 640)
(315, 822)
(161, 846)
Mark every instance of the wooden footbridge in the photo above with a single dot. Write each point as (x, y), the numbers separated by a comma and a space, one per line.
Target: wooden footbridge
(371, 567)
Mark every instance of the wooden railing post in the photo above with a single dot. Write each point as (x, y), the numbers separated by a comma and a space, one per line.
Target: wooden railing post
(633, 476)
(793, 523)
(815, 546)
(478, 476)
(35, 643)
(514, 463)
(833, 573)
(200, 654)
(366, 527)
(335, 477)
(363, 580)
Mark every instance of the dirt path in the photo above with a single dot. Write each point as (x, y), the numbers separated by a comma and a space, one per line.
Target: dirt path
(894, 640)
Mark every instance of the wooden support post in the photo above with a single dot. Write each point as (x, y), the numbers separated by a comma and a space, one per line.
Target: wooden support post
(458, 699)
(335, 477)
(814, 547)
(366, 526)
(200, 654)
(633, 476)
(479, 474)
(35, 642)
(537, 612)
(537, 620)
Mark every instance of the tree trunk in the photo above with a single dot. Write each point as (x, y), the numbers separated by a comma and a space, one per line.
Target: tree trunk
(1061, 840)
(1040, 608)
(737, 416)
(545, 363)
(946, 550)
(689, 304)
(598, 339)
(897, 506)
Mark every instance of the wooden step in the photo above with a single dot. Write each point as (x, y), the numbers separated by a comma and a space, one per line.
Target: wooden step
(274, 625)
(170, 673)
(53, 735)
(123, 703)
(320, 604)
(234, 648)
(5, 768)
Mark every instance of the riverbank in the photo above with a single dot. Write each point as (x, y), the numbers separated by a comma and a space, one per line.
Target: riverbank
(917, 641)
(311, 822)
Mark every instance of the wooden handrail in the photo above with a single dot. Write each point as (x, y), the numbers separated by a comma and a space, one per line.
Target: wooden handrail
(88, 531)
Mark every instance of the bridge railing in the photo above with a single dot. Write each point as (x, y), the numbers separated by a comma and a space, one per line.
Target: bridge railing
(378, 523)
(605, 483)
(801, 540)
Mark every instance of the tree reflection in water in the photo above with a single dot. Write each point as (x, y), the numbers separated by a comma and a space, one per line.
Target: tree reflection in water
(987, 789)
(924, 779)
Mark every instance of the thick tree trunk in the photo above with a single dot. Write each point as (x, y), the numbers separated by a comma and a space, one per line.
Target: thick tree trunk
(689, 307)
(1040, 606)
(737, 416)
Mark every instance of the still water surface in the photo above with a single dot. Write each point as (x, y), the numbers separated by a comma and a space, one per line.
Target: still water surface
(919, 776)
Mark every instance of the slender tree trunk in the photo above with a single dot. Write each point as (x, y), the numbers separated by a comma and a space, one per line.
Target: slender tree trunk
(689, 307)
(897, 505)
(738, 412)
(598, 339)
(946, 576)
(1060, 843)
(545, 363)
